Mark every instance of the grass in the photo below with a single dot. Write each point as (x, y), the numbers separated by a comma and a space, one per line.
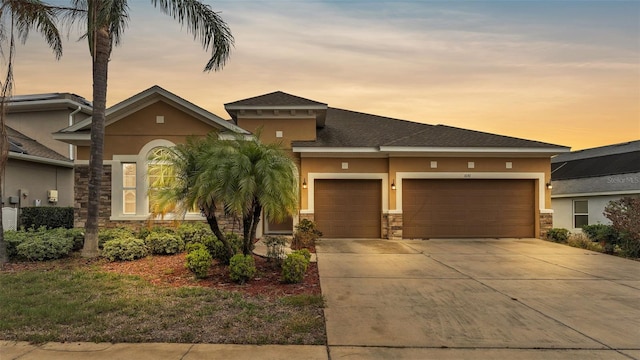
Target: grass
(89, 305)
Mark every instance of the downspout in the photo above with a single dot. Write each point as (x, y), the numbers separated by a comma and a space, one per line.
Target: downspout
(70, 124)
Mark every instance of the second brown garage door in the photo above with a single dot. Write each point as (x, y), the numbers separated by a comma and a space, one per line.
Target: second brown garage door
(348, 208)
(468, 208)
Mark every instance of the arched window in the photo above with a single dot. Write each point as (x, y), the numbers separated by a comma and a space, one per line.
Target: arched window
(159, 175)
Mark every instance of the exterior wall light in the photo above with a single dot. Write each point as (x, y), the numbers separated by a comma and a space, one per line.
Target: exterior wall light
(393, 184)
(549, 186)
(304, 183)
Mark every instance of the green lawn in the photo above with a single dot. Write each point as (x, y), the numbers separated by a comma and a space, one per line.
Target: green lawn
(90, 305)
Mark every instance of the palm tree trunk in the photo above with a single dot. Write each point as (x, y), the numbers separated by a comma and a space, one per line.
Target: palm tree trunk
(102, 51)
(215, 228)
(252, 227)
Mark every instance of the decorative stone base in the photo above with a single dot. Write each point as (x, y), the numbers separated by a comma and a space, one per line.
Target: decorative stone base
(546, 223)
(395, 227)
(309, 217)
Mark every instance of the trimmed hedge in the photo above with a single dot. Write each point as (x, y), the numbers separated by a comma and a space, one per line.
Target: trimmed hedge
(126, 248)
(198, 260)
(295, 266)
(50, 217)
(164, 243)
(242, 268)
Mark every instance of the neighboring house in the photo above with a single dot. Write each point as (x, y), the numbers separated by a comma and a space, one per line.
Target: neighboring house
(35, 175)
(585, 181)
(40, 115)
(37, 163)
(361, 175)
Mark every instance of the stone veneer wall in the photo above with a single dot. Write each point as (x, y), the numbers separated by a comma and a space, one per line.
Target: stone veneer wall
(395, 227)
(81, 196)
(546, 223)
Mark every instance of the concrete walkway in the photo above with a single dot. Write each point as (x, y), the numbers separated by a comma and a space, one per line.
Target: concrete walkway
(439, 299)
(480, 299)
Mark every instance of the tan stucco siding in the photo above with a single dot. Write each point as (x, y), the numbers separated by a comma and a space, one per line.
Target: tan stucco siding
(298, 129)
(128, 135)
(391, 166)
(36, 179)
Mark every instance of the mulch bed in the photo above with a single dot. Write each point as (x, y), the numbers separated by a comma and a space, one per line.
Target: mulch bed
(170, 271)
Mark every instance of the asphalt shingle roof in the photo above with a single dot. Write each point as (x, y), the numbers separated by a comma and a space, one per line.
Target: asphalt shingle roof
(277, 98)
(22, 144)
(345, 128)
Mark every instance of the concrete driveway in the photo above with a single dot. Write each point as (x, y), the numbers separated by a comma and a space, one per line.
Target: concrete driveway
(493, 298)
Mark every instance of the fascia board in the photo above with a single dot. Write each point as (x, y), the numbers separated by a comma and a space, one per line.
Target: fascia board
(41, 160)
(276, 107)
(595, 193)
(43, 104)
(304, 149)
(473, 149)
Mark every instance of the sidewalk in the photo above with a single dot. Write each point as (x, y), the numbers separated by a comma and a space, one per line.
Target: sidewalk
(10, 350)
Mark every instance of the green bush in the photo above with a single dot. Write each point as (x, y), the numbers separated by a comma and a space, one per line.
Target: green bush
(124, 248)
(14, 238)
(193, 231)
(305, 235)
(146, 231)
(558, 235)
(304, 252)
(242, 268)
(51, 217)
(45, 245)
(294, 267)
(164, 243)
(219, 252)
(582, 241)
(105, 235)
(198, 260)
(195, 246)
(606, 235)
(275, 247)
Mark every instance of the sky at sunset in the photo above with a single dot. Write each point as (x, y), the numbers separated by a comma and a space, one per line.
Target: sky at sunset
(563, 72)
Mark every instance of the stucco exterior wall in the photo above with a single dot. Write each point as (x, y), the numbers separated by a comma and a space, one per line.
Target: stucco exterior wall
(296, 129)
(37, 178)
(563, 210)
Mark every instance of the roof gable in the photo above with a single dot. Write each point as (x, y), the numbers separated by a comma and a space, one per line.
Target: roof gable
(276, 98)
(150, 96)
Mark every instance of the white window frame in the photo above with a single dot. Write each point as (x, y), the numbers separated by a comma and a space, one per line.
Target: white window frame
(126, 189)
(573, 211)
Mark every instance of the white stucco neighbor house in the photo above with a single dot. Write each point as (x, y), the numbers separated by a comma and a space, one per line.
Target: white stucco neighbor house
(585, 181)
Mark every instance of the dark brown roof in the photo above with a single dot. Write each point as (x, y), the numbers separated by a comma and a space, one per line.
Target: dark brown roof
(614, 159)
(277, 98)
(345, 128)
(22, 144)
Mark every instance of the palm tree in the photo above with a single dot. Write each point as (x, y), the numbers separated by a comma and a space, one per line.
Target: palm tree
(106, 21)
(241, 177)
(18, 17)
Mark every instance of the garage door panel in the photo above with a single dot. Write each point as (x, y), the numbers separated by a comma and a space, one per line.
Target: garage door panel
(468, 208)
(348, 208)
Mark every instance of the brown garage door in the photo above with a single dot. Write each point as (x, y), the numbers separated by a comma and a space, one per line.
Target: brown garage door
(348, 208)
(468, 208)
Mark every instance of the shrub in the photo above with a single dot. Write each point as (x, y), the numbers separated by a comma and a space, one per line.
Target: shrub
(625, 217)
(242, 268)
(146, 231)
(275, 247)
(51, 217)
(582, 241)
(294, 267)
(125, 248)
(164, 243)
(198, 260)
(193, 231)
(45, 245)
(77, 234)
(14, 238)
(304, 252)
(105, 235)
(558, 235)
(606, 235)
(219, 252)
(305, 235)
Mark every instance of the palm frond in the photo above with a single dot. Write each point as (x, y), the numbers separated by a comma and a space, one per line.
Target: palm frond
(206, 26)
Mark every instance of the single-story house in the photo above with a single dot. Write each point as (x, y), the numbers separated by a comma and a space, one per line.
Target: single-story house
(585, 181)
(35, 175)
(361, 175)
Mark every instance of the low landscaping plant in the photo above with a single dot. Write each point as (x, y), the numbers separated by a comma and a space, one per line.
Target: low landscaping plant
(164, 243)
(105, 235)
(275, 247)
(124, 248)
(242, 268)
(198, 260)
(219, 252)
(580, 240)
(295, 266)
(45, 245)
(305, 235)
(558, 235)
(51, 217)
